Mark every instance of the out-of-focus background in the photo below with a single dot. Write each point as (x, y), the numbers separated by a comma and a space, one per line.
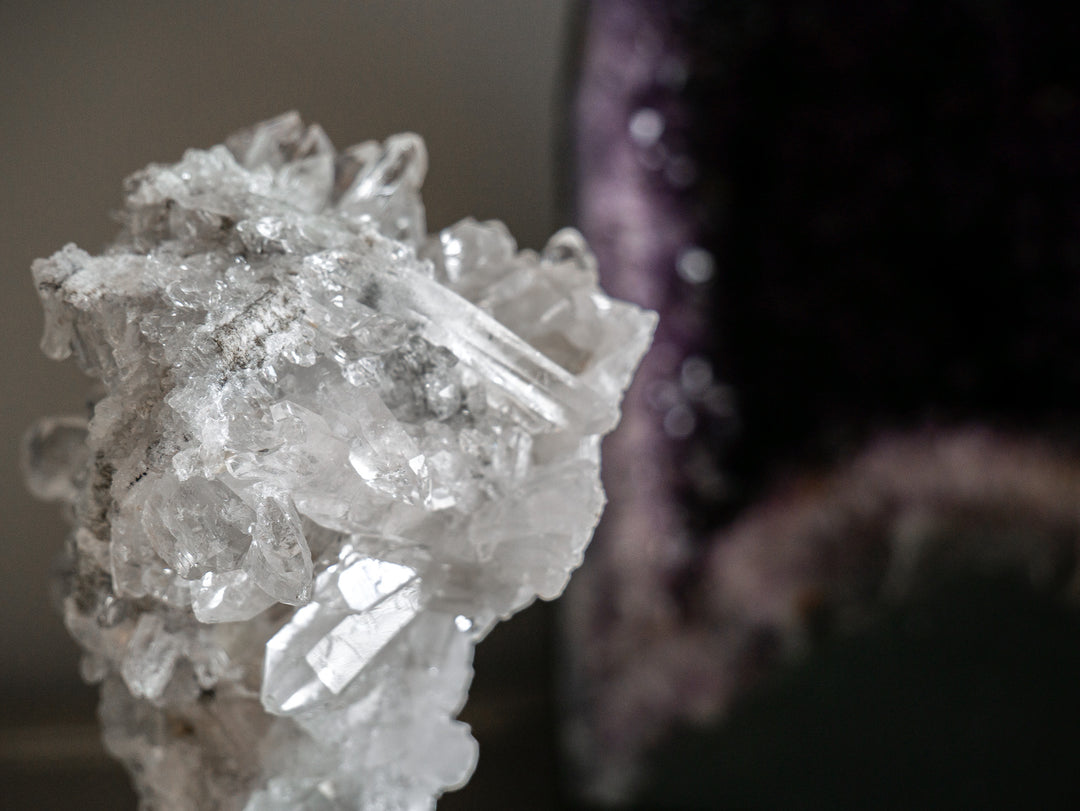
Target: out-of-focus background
(90, 92)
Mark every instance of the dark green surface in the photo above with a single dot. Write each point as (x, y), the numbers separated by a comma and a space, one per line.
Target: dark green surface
(966, 698)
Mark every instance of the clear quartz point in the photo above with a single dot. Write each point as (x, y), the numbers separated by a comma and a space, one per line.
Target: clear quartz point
(330, 450)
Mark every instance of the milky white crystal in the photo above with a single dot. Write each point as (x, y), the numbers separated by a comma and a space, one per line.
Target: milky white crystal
(328, 452)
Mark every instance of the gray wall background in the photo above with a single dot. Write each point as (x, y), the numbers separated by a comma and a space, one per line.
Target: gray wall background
(91, 91)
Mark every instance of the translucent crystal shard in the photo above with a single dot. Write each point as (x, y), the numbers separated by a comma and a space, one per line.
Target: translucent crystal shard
(329, 452)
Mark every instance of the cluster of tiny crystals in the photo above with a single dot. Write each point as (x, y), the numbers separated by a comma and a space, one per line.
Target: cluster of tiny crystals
(328, 451)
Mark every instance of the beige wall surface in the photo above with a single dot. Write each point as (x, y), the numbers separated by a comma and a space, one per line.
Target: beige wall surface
(91, 91)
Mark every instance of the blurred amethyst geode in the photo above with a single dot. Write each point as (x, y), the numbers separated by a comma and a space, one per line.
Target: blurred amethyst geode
(863, 379)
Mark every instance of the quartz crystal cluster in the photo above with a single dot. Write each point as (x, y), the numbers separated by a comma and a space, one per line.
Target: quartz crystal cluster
(327, 453)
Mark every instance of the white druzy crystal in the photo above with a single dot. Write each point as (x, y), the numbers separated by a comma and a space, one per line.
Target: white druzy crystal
(329, 451)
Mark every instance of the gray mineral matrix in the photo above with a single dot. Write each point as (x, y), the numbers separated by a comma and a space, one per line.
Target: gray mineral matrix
(329, 452)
